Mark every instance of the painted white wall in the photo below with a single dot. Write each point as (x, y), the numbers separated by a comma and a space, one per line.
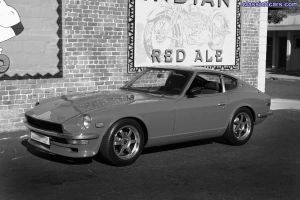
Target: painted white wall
(263, 28)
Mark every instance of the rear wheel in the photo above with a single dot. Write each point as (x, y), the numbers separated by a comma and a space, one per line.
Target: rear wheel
(123, 143)
(240, 127)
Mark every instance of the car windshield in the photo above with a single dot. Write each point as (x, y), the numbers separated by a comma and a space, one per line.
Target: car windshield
(160, 81)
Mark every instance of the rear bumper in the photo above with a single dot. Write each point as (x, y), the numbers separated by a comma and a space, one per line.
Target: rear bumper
(62, 144)
(262, 116)
(265, 114)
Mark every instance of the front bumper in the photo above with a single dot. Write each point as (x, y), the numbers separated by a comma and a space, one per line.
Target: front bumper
(63, 144)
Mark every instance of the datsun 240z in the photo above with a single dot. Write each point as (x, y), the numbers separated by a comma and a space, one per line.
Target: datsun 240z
(159, 106)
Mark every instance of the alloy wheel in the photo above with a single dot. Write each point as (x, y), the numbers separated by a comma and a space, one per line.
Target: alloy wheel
(126, 142)
(242, 126)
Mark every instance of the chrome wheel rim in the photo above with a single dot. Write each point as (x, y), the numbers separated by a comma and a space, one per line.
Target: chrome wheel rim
(242, 126)
(126, 142)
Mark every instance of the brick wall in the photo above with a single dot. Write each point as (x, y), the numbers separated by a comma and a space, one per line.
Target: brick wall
(95, 57)
(250, 49)
(253, 53)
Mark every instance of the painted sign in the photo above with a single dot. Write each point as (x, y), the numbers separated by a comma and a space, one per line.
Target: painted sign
(184, 32)
(33, 51)
(10, 26)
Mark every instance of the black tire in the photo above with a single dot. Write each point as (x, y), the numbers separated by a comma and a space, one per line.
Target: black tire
(119, 140)
(240, 129)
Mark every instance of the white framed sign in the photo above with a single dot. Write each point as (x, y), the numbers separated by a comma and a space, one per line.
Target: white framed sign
(202, 33)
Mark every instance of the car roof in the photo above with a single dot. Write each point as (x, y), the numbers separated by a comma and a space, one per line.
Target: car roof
(192, 69)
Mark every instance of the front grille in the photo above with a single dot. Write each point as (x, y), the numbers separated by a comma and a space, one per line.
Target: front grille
(44, 125)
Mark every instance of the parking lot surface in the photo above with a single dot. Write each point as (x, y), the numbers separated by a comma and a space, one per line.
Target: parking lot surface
(265, 168)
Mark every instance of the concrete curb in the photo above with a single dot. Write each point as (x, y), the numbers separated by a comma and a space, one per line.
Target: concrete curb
(285, 104)
(282, 77)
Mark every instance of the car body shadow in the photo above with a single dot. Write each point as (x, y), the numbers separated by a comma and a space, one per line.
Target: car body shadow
(99, 158)
(182, 145)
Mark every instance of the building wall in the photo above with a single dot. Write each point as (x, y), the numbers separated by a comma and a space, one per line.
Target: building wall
(95, 56)
(254, 28)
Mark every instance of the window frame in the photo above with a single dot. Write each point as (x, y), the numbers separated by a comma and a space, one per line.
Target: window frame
(209, 73)
(224, 87)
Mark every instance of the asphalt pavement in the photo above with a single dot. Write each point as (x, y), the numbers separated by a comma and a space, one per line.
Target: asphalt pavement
(267, 167)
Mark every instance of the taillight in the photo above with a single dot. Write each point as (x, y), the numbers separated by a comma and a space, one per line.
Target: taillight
(268, 103)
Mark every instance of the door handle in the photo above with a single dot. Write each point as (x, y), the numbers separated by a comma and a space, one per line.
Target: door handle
(222, 104)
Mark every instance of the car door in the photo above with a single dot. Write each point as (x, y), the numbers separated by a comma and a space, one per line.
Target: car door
(203, 108)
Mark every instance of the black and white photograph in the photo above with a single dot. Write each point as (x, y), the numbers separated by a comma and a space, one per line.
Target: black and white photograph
(150, 99)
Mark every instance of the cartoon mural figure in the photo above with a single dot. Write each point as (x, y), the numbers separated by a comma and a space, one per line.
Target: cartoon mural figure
(10, 26)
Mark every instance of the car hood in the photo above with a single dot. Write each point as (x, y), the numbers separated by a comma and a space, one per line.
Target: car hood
(60, 109)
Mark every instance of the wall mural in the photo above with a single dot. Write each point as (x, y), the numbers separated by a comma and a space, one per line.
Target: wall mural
(10, 26)
(202, 33)
(30, 39)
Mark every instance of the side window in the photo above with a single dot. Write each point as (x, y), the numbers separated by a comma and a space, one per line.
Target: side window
(205, 83)
(229, 82)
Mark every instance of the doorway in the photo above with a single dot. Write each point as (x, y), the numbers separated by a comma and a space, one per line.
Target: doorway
(269, 52)
(282, 53)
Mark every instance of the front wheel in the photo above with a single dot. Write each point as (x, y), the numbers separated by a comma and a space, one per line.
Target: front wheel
(123, 143)
(240, 127)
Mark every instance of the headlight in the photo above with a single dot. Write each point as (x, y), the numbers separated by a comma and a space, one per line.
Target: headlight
(87, 120)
